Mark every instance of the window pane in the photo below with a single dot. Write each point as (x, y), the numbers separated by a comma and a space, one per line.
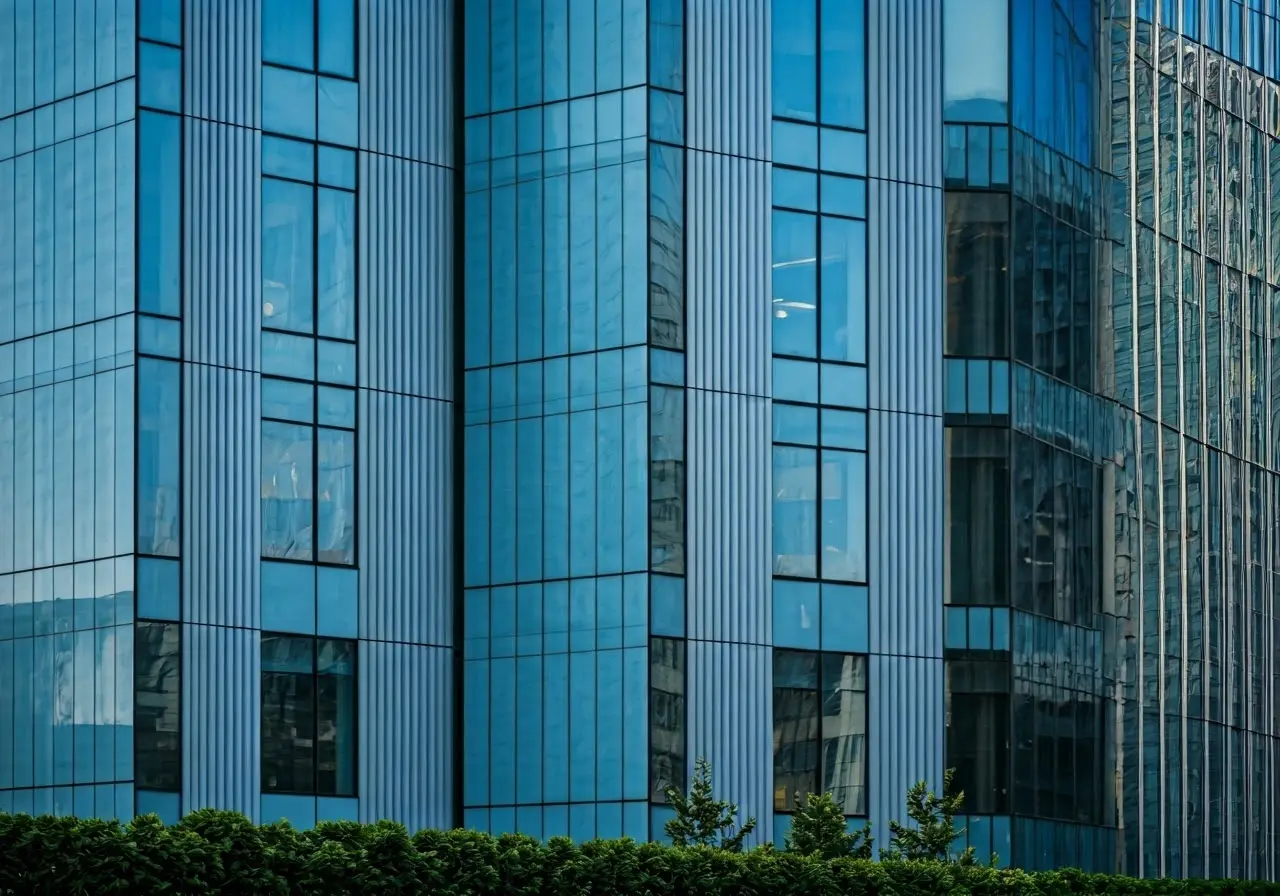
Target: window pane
(339, 111)
(844, 516)
(844, 730)
(336, 718)
(159, 213)
(287, 256)
(843, 64)
(160, 20)
(978, 516)
(667, 716)
(795, 61)
(795, 424)
(286, 490)
(288, 102)
(159, 387)
(978, 748)
(975, 68)
(287, 400)
(336, 490)
(844, 290)
(160, 77)
(336, 274)
(796, 727)
(338, 37)
(288, 715)
(795, 512)
(795, 284)
(977, 274)
(157, 720)
(666, 479)
(288, 158)
(666, 247)
(288, 32)
(337, 167)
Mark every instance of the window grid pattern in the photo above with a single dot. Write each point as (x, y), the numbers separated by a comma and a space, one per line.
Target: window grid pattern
(573, 276)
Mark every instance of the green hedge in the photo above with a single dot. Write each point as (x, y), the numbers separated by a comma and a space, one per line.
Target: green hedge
(221, 852)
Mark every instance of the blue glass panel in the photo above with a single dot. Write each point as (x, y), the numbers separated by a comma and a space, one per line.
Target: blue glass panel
(582, 727)
(337, 37)
(336, 407)
(338, 108)
(475, 732)
(795, 424)
(842, 386)
(337, 167)
(288, 261)
(844, 290)
(159, 336)
(978, 398)
(158, 589)
(336, 268)
(1000, 629)
(845, 619)
(289, 158)
(286, 355)
(159, 77)
(842, 63)
(668, 605)
(844, 515)
(795, 189)
(337, 602)
(980, 628)
(843, 196)
(844, 151)
(299, 811)
(796, 614)
(529, 730)
(795, 284)
(337, 808)
(289, 598)
(609, 721)
(288, 400)
(288, 102)
(843, 429)
(502, 730)
(287, 490)
(795, 61)
(335, 362)
(159, 213)
(163, 805)
(159, 20)
(528, 619)
(335, 493)
(795, 380)
(795, 511)
(635, 611)
(956, 629)
(666, 116)
(288, 32)
(795, 144)
(975, 76)
(158, 483)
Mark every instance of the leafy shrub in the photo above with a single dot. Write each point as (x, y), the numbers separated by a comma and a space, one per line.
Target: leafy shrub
(221, 852)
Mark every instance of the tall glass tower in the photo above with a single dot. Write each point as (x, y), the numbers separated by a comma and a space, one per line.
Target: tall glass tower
(474, 411)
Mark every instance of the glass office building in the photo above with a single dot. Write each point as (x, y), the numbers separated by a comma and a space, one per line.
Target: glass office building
(472, 411)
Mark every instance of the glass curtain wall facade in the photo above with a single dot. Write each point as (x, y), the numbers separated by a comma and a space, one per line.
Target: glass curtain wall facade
(206, 370)
(573, 466)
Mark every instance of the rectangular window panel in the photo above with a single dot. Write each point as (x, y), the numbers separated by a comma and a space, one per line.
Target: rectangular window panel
(795, 61)
(666, 479)
(159, 213)
(975, 71)
(844, 516)
(666, 246)
(157, 717)
(159, 434)
(844, 730)
(288, 715)
(336, 491)
(667, 674)
(795, 511)
(288, 256)
(288, 32)
(287, 488)
(288, 102)
(796, 727)
(335, 718)
(157, 20)
(795, 284)
(842, 64)
(159, 77)
(844, 290)
(337, 37)
(336, 270)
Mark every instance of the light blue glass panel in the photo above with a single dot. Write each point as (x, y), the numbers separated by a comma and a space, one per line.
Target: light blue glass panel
(795, 511)
(555, 670)
(157, 20)
(502, 623)
(955, 395)
(84, 677)
(336, 808)
(658, 818)
(796, 614)
(529, 716)
(335, 407)
(288, 400)
(999, 387)
(979, 391)
(635, 821)
(843, 429)
(844, 152)
(84, 803)
(476, 623)
(845, 619)
(288, 102)
(980, 628)
(795, 380)
(796, 424)
(795, 60)
(159, 77)
(335, 362)
(582, 822)
(844, 290)
(608, 486)
(337, 37)
(956, 630)
(158, 589)
(528, 619)
(158, 461)
(795, 189)
(528, 499)
(299, 811)
(843, 196)
(336, 268)
(475, 732)
(844, 515)
(666, 116)
(288, 32)
(635, 611)
(288, 260)
(582, 493)
(23, 715)
(286, 355)
(339, 111)
(502, 731)
(159, 336)
(781, 827)
(476, 819)
(289, 598)
(1000, 629)
(164, 805)
(608, 821)
(293, 159)
(843, 386)
(6, 713)
(337, 602)
(335, 493)
(287, 490)
(476, 510)
(609, 613)
(975, 71)
(666, 367)
(635, 723)
(795, 144)
(159, 213)
(582, 726)
(795, 284)
(842, 64)
(529, 821)
(337, 167)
